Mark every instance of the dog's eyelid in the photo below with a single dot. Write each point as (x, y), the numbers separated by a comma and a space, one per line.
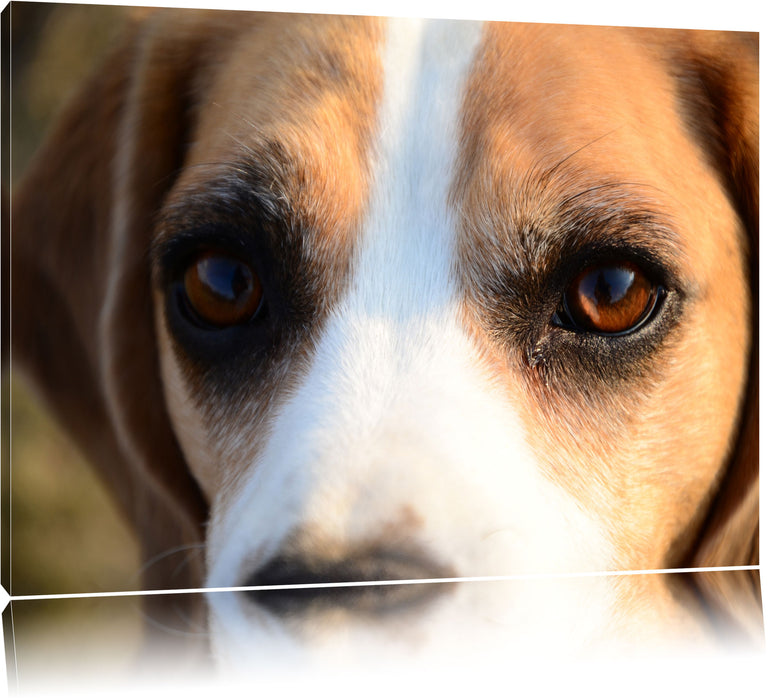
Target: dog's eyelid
(172, 249)
(621, 226)
(242, 218)
(660, 263)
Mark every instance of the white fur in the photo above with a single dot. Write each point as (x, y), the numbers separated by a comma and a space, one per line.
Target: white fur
(396, 413)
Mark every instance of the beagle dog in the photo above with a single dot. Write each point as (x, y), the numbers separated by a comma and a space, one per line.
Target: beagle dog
(364, 301)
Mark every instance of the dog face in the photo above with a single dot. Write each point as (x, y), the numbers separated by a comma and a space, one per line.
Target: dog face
(434, 300)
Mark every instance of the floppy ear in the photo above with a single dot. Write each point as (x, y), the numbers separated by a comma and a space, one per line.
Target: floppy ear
(82, 313)
(718, 81)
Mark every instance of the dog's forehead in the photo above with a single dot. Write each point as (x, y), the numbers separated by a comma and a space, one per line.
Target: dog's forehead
(552, 113)
(534, 95)
(297, 96)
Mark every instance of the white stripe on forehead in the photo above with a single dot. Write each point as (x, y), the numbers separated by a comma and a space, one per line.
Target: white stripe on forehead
(395, 409)
(409, 234)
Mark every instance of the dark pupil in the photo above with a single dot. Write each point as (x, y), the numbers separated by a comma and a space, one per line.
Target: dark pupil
(610, 298)
(610, 286)
(227, 279)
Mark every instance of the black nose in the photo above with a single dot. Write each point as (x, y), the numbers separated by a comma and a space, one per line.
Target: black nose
(365, 598)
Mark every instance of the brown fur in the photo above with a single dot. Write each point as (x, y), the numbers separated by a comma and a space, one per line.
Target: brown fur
(169, 111)
(535, 139)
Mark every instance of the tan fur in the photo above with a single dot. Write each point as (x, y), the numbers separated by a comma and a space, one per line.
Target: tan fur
(692, 198)
(535, 113)
(179, 102)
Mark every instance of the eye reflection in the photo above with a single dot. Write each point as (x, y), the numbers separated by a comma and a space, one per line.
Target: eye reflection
(610, 299)
(221, 290)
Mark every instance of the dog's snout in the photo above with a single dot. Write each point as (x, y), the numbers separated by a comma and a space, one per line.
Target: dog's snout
(369, 583)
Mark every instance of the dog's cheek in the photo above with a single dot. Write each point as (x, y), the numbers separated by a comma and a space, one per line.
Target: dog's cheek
(700, 408)
(188, 425)
(695, 413)
(645, 463)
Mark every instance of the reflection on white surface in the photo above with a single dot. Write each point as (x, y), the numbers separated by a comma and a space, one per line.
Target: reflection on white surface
(521, 628)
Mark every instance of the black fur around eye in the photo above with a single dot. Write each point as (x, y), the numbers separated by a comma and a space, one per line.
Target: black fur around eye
(612, 298)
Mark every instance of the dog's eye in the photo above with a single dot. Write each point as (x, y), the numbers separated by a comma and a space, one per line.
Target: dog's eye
(221, 290)
(609, 299)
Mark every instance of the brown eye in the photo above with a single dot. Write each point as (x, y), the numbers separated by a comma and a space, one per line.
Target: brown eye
(221, 290)
(610, 299)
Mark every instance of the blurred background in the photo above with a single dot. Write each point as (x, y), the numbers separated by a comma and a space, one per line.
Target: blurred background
(65, 534)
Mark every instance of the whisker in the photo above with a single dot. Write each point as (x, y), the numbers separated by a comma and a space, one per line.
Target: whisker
(603, 186)
(188, 548)
(565, 159)
(189, 627)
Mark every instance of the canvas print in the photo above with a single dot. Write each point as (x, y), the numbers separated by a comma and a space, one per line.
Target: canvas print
(389, 339)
